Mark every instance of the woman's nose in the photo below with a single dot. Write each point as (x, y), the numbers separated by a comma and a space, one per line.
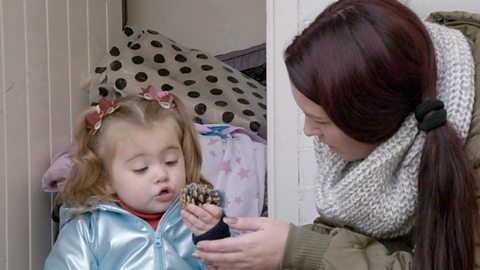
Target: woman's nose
(310, 130)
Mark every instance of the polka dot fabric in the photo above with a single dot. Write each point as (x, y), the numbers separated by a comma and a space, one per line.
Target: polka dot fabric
(212, 91)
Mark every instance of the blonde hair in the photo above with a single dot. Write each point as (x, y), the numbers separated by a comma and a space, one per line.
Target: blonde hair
(93, 153)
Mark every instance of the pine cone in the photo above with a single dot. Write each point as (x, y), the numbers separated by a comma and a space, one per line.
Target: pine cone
(199, 194)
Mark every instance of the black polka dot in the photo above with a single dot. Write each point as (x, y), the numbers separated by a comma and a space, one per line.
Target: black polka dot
(153, 32)
(141, 77)
(206, 67)
(257, 95)
(156, 44)
(129, 44)
(115, 65)
(238, 90)
(128, 31)
(265, 116)
(167, 87)
(193, 94)
(114, 51)
(137, 60)
(135, 46)
(216, 91)
(100, 70)
(198, 120)
(248, 113)
(163, 72)
(232, 79)
(228, 69)
(158, 58)
(243, 101)
(176, 48)
(227, 117)
(200, 108)
(252, 85)
(211, 78)
(263, 106)
(180, 58)
(202, 56)
(120, 83)
(185, 70)
(254, 126)
(102, 91)
(189, 82)
(221, 103)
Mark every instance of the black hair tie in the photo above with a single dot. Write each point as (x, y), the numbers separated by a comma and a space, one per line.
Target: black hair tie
(430, 114)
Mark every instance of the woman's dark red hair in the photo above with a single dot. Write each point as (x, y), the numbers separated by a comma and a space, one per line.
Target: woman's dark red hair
(369, 64)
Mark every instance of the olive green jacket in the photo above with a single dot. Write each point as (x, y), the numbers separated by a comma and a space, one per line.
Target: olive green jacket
(333, 247)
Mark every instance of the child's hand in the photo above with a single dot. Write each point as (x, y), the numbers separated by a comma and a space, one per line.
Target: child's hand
(200, 219)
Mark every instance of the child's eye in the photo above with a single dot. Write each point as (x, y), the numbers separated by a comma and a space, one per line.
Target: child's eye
(141, 170)
(171, 162)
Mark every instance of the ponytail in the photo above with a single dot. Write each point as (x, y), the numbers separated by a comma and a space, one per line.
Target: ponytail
(84, 182)
(191, 148)
(447, 214)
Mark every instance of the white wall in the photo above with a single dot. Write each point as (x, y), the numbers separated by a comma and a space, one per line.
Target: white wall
(214, 26)
(292, 165)
(47, 50)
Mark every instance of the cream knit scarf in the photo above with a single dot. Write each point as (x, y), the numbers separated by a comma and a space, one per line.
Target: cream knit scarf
(377, 196)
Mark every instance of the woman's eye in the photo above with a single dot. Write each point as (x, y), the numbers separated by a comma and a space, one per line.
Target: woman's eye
(141, 170)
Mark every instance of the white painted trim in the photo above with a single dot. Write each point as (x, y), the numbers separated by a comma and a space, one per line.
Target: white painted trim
(282, 17)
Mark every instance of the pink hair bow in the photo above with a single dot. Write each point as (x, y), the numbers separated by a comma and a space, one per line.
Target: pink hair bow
(94, 119)
(163, 97)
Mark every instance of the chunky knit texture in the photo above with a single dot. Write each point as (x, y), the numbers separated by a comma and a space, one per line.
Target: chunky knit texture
(377, 196)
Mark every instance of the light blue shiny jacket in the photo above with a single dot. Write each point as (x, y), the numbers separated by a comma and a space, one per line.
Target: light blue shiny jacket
(109, 237)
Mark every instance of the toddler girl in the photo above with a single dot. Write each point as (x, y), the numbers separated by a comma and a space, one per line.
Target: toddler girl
(121, 207)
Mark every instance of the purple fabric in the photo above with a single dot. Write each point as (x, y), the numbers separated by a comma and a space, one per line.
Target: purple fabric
(54, 178)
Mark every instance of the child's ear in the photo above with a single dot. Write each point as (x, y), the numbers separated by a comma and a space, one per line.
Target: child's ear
(109, 188)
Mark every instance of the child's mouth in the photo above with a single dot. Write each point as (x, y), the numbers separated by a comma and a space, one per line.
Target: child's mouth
(164, 195)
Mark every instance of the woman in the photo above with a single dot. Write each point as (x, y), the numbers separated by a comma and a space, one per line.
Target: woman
(390, 102)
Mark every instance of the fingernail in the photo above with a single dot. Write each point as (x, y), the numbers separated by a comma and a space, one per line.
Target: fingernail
(195, 255)
(230, 220)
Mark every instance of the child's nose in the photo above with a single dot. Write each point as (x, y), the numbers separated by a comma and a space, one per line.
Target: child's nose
(160, 175)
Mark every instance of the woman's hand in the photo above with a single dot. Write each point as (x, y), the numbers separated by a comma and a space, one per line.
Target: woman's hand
(201, 219)
(262, 248)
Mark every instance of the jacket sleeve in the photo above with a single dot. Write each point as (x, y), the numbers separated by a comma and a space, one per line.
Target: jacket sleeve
(317, 246)
(73, 248)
